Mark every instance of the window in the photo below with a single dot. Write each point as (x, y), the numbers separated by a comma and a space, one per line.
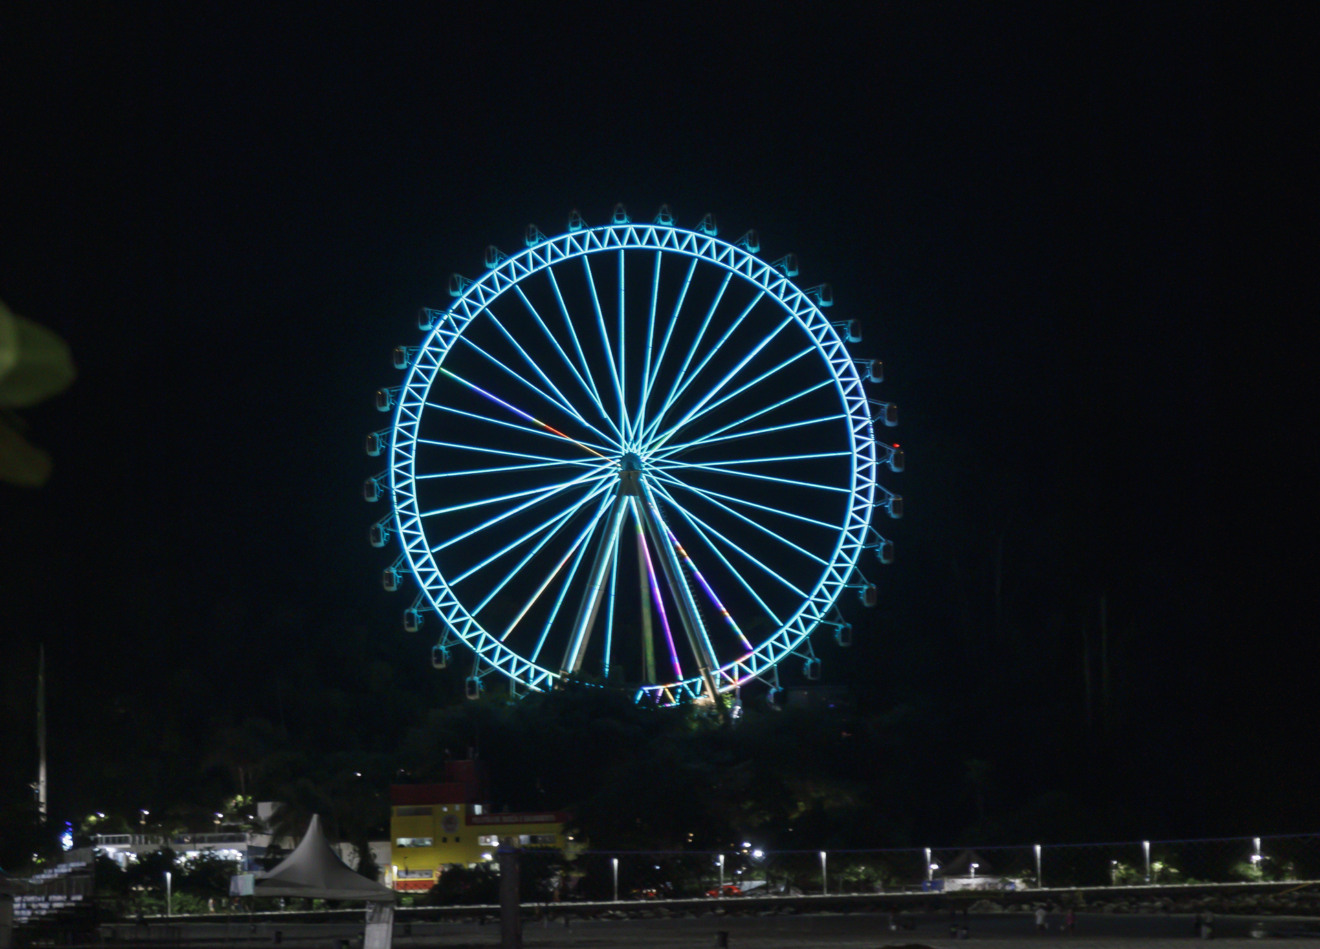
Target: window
(412, 811)
(415, 842)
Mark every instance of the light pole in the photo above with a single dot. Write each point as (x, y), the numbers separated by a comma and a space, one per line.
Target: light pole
(614, 864)
(1039, 882)
(930, 867)
(1145, 847)
(721, 874)
(168, 894)
(824, 880)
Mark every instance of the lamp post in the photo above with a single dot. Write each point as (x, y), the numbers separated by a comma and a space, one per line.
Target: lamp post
(168, 894)
(614, 864)
(1145, 847)
(721, 874)
(824, 880)
(930, 867)
(1039, 882)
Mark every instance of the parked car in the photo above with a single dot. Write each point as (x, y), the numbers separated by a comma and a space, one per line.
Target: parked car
(728, 889)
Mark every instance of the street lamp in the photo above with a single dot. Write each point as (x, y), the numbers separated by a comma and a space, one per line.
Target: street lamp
(168, 900)
(1145, 846)
(1039, 882)
(824, 880)
(614, 863)
(974, 866)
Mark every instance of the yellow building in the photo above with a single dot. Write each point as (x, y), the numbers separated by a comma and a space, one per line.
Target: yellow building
(436, 825)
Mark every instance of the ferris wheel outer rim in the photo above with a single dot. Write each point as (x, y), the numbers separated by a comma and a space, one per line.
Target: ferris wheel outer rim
(477, 295)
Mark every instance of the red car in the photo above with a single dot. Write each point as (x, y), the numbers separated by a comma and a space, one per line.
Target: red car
(728, 889)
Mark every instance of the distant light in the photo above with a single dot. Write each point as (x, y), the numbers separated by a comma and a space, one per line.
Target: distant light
(66, 838)
(758, 853)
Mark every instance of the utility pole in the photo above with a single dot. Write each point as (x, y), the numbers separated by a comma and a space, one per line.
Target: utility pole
(41, 733)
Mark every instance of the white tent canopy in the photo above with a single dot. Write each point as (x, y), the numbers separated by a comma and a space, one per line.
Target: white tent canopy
(314, 871)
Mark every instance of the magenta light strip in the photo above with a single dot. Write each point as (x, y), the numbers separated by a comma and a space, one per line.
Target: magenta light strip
(709, 592)
(519, 412)
(655, 595)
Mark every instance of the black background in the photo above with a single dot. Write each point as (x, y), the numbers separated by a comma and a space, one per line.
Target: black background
(1072, 231)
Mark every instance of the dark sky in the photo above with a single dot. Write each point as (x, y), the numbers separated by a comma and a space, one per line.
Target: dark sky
(1048, 217)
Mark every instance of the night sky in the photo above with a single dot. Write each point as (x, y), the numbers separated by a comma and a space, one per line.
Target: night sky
(1064, 227)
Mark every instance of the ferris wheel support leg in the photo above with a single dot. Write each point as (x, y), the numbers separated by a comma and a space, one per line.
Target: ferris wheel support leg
(687, 607)
(590, 605)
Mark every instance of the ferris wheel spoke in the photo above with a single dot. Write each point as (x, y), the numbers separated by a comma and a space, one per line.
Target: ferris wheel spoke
(605, 342)
(544, 430)
(717, 499)
(559, 400)
(660, 440)
(589, 604)
(588, 389)
(652, 587)
(680, 378)
(698, 638)
(639, 421)
(815, 486)
(623, 362)
(702, 582)
(554, 524)
(664, 345)
(542, 495)
(787, 400)
(577, 346)
(765, 459)
(504, 452)
(701, 528)
(513, 496)
(752, 383)
(714, 438)
(581, 545)
(530, 466)
(610, 612)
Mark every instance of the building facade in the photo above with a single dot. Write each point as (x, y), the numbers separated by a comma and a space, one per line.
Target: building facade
(433, 826)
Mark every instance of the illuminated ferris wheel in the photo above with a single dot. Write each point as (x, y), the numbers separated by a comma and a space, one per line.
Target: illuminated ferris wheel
(633, 454)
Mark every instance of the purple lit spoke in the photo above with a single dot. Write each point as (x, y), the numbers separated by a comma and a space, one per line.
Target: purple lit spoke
(717, 499)
(559, 399)
(655, 591)
(705, 530)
